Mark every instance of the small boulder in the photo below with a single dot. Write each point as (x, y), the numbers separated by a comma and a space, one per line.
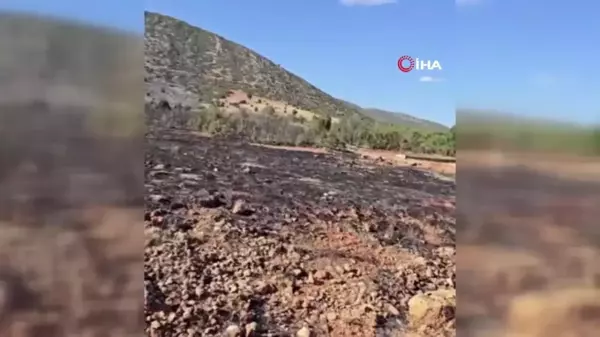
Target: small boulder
(304, 332)
(432, 309)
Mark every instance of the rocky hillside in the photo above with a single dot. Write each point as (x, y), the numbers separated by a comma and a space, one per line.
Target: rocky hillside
(202, 63)
(65, 62)
(404, 119)
(400, 118)
(198, 65)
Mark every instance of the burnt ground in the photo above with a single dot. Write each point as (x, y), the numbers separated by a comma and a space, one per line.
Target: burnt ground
(248, 240)
(70, 242)
(529, 251)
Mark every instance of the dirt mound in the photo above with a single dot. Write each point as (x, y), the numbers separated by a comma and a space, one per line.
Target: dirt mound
(244, 240)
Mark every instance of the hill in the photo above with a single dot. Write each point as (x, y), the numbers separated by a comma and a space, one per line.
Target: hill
(403, 119)
(400, 118)
(220, 87)
(66, 62)
(204, 65)
(202, 62)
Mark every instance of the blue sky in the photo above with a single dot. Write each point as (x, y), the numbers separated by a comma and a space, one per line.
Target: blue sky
(532, 57)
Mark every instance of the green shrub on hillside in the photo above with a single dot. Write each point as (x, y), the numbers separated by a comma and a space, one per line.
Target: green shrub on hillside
(274, 129)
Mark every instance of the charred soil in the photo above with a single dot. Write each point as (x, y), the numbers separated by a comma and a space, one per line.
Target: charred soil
(244, 240)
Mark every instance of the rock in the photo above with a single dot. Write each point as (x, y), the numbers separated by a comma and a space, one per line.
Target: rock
(177, 206)
(321, 275)
(392, 310)
(433, 308)
(241, 208)
(233, 331)
(304, 332)
(251, 329)
(298, 273)
(190, 176)
(331, 316)
(265, 288)
(155, 325)
(160, 174)
(159, 198)
(212, 201)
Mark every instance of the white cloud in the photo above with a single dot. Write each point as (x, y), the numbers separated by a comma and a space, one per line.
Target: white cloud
(430, 79)
(462, 3)
(366, 2)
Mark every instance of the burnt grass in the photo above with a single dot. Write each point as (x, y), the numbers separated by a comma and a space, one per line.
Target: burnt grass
(266, 241)
(518, 209)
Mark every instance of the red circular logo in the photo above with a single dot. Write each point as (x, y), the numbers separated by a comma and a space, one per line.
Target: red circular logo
(401, 62)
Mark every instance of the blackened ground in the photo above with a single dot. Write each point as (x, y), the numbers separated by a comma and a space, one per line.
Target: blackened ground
(523, 232)
(70, 204)
(269, 241)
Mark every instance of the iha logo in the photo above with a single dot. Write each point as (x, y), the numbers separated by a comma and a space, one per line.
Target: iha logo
(407, 63)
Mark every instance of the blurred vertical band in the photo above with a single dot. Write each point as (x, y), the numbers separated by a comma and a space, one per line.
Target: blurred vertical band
(529, 240)
(528, 170)
(71, 179)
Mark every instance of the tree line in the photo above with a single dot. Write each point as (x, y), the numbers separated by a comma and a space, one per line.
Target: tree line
(268, 127)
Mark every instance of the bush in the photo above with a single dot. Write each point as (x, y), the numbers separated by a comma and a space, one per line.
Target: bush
(270, 128)
(268, 110)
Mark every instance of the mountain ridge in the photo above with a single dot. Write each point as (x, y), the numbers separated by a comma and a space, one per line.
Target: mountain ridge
(200, 61)
(224, 63)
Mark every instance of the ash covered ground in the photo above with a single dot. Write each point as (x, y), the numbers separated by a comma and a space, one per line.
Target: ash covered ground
(246, 240)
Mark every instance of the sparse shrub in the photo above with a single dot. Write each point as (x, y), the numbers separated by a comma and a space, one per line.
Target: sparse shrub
(268, 110)
(220, 93)
(299, 119)
(332, 141)
(267, 127)
(207, 116)
(322, 124)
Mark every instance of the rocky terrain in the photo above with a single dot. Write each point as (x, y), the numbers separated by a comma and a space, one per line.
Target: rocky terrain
(529, 248)
(249, 240)
(190, 65)
(245, 240)
(70, 219)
